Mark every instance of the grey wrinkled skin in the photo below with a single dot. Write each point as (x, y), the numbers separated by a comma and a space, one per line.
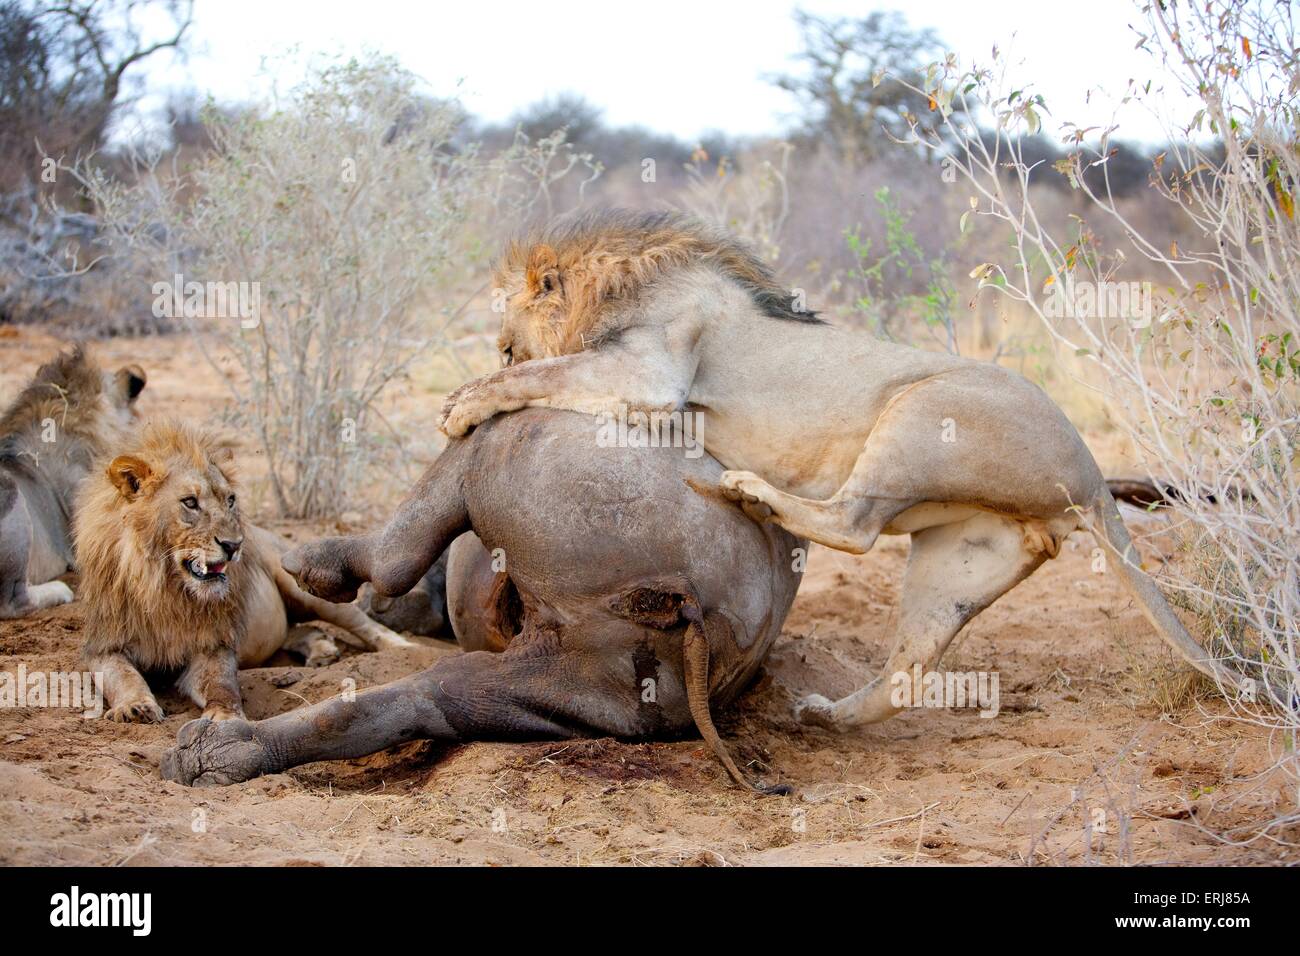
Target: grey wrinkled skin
(602, 555)
(421, 610)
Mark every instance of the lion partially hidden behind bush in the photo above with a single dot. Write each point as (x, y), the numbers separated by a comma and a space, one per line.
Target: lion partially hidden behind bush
(175, 582)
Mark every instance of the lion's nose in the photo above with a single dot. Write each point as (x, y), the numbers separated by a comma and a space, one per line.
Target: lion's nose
(231, 548)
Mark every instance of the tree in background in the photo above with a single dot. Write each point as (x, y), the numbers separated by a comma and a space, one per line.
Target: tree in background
(581, 119)
(63, 72)
(860, 79)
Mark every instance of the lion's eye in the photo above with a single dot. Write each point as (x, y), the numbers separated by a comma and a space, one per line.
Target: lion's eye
(548, 283)
(230, 502)
(189, 501)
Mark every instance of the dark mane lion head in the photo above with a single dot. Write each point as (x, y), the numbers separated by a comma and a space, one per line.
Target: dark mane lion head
(559, 281)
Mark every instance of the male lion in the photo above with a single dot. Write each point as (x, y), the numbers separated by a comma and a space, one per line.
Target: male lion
(175, 582)
(835, 436)
(68, 414)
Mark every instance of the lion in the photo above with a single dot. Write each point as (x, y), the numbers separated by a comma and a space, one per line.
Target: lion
(174, 581)
(836, 436)
(69, 414)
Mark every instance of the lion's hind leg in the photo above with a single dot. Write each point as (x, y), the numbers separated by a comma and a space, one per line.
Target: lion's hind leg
(954, 572)
(849, 521)
(18, 598)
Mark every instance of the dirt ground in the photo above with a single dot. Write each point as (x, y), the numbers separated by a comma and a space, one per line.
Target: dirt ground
(1081, 764)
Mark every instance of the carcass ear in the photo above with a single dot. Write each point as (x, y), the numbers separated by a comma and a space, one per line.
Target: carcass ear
(130, 381)
(128, 474)
(543, 272)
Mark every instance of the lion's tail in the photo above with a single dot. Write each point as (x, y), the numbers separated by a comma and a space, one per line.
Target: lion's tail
(1113, 535)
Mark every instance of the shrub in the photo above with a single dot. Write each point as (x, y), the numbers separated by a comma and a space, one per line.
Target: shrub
(1206, 378)
(348, 210)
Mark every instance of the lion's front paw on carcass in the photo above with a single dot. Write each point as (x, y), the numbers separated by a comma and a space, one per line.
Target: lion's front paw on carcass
(475, 402)
(460, 413)
(210, 753)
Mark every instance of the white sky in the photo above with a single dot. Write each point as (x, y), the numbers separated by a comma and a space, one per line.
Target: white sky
(677, 66)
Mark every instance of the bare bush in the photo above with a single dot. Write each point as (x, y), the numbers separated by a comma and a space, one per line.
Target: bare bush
(753, 203)
(338, 217)
(1202, 367)
(858, 80)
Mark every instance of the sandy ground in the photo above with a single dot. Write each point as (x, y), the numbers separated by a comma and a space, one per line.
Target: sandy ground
(1080, 765)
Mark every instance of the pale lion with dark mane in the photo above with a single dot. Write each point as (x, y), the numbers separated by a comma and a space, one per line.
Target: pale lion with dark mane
(175, 582)
(70, 412)
(835, 436)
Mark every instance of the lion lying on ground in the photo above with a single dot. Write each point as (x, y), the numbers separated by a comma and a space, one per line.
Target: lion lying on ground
(835, 436)
(634, 632)
(71, 412)
(175, 582)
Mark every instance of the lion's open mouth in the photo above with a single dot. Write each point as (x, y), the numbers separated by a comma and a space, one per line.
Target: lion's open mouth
(205, 572)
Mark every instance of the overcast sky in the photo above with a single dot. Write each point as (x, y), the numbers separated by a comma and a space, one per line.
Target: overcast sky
(676, 66)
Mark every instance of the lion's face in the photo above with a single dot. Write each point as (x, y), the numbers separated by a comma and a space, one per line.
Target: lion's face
(188, 508)
(535, 308)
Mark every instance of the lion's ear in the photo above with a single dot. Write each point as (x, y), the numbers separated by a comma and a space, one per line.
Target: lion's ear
(543, 272)
(128, 474)
(130, 381)
(223, 448)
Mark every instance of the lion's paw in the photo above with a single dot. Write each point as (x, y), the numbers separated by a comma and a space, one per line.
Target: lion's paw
(221, 712)
(742, 485)
(322, 654)
(386, 639)
(55, 594)
(459, 418)
(210, 753)
(144, 710)
(747, 489)
(815, 711)
(458, 411)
